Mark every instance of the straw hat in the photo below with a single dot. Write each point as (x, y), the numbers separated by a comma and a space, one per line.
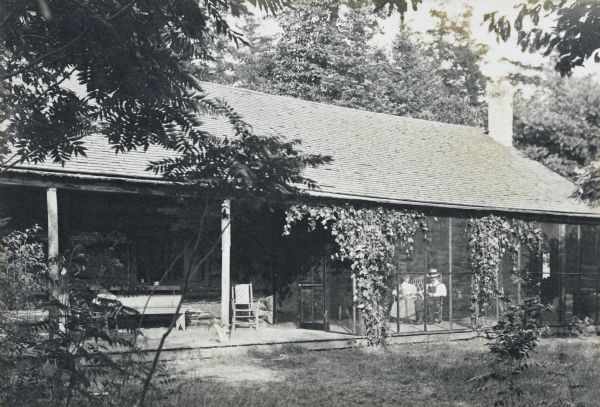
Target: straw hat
(433, 273)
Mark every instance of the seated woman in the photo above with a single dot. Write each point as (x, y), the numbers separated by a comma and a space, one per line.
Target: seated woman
(404, 303)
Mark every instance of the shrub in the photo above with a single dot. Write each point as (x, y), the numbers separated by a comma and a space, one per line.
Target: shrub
(60, 359)
(24, 268)
(577, 326)
(512, 340)
(514, 337)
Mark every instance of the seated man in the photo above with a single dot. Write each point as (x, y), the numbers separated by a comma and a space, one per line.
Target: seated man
(436, 292)
(435, 287)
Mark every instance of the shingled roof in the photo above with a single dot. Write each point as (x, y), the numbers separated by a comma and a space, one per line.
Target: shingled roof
(377, 157)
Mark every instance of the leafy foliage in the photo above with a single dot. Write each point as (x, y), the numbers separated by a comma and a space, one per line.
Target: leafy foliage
(559, 124)
(25, 268)
(489, 238)
(512, 340)
(367, 237)
(515, 336)
(588, 182)
(126, 70)
(325, 55)
(458, 55)
(122, 69)
(400, 6)
(579, 327)
(575, 37)
(59, 358)
(418, 85)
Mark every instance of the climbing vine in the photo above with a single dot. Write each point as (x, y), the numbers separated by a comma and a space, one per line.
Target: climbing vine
(490, 237)
(367, 237)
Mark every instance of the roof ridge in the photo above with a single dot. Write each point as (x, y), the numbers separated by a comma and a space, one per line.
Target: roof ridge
(353, 109)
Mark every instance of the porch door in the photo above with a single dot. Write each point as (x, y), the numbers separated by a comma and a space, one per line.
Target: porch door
(313, 301)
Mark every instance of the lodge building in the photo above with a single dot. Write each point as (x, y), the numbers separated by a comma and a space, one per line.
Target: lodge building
(449, 172)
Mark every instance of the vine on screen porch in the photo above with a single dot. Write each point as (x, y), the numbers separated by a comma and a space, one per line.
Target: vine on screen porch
(367, 237)
(490, 237)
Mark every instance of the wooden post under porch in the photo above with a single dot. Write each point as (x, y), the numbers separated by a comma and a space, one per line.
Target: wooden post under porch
(53, 251)
(225, 260)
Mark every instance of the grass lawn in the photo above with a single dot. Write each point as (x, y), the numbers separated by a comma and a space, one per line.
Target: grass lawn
(432, 374)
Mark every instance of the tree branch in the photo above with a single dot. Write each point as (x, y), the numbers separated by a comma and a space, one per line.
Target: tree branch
(174, 319)
(68, 75)
(124, 9)
(6, 167)
(8, 17)
(36, 61)
(110, 17)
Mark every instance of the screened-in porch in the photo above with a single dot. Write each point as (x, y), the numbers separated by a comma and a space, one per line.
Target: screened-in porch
(431, 290)
(565, 275)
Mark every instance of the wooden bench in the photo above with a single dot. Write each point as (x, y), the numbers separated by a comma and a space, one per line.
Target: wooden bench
(155, 305)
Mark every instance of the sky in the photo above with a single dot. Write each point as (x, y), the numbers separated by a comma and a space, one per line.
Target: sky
(493, 65)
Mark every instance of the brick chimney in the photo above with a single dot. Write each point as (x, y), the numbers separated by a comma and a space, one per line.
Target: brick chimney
(500, 111)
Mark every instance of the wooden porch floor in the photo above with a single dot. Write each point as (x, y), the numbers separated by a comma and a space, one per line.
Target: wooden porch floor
(201, 337)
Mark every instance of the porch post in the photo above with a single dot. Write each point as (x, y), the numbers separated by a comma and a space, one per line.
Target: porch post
(225, 257)
(562, 255)
(354, 326)
(520, 274)
(497, 291)
(56, 291)
(450, 257)
(52, 204)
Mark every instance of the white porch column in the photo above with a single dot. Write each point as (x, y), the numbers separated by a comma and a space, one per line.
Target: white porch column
(52, 204)
(55, 290)
(225, 257)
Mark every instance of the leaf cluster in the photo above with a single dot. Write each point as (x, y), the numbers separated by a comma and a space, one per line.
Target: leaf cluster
(575, 36)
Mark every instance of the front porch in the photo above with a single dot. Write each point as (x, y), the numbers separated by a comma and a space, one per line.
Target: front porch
(296, 274)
